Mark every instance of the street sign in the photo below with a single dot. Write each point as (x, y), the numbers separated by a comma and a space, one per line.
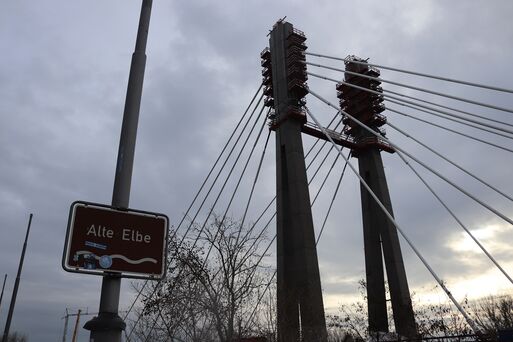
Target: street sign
(104, 240)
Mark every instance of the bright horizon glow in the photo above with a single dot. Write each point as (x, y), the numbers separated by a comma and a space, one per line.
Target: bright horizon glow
(477, 284)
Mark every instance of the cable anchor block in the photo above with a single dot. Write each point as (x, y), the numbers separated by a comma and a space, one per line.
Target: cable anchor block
(267, 77)
(364, 106)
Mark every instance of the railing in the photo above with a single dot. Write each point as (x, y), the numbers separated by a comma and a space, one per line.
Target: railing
(333, 134)
(298, 32)
(447, 338)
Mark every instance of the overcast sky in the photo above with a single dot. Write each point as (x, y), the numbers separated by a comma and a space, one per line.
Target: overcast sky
(63, 74)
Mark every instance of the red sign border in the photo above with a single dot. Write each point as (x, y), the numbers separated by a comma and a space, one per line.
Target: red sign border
(134, 275)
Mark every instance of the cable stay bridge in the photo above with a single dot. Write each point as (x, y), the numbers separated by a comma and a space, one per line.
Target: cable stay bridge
(350, 141)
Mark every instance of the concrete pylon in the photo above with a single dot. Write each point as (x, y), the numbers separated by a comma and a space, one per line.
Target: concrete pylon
(380, 235)
(300, 304)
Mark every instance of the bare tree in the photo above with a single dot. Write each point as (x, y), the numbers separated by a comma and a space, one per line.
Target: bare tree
(433, 319)
(262, 320)
(175, 307)
(493, 313)
(441, 319)
(210, 284)
(15, 337)
(231, 276)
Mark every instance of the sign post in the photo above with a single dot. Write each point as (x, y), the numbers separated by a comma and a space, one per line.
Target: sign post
(107, 326)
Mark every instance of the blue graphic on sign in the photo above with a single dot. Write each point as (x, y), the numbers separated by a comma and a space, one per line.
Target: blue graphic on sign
(105, 261)
(95, 245)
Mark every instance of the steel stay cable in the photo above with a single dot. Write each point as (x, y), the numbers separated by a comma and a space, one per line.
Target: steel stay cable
(257, 264)
(215, 180)
(258, 237)
(317, 140)
(253, 186)
(156, 319)
(206, 179)
(473, 84)
(310, 150)
(496, 212)
(415, 88)
(161, 316)
(399, 229)
(263, 230)
(220, 154)
(250, 320)
(226, 180)
(224, 184)
(332, 199)
(318, 237)
(320, 149)
(410, 102)
(217, 176)
(326, 177)
(485, 251)
(252, 191)
(332, 120)
(325, 142)
(243, 259)
(236, 187)
(218, 196)
(313, 159)
(449, 161)
(320, 233)
(307, 167)
(449, 129)
(127, 338)
(447, 107)
(133, 303)
(309, 182)
(271, 202)
(322, 162)
(331, 168)
(316, 242)
(450, 118)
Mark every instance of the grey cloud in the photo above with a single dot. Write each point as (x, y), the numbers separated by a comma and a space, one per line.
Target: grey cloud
(62, 88)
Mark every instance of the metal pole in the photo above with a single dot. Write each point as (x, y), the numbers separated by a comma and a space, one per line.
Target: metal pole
(66, 319)
(74, 338)
(3, 287)
(16, 285)
(107, 326)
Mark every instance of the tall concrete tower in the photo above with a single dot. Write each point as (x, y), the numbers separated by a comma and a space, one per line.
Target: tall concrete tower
(300, 305)
(380, 235)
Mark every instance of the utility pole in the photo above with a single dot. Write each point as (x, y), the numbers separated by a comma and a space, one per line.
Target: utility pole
(16, 285)
(66, 320)
(74, 338)
(300, 315)
(3, 287)
(380, 235)
(107, 326)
